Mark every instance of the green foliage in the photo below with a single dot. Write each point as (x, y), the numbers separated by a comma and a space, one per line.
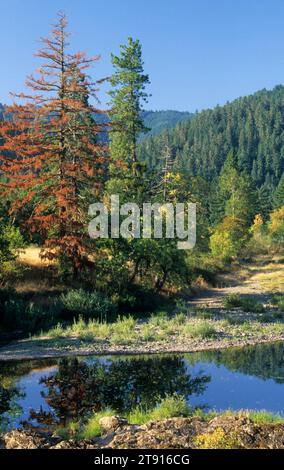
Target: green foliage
(172, 406)
(128, 91)
(276, 228)
(278, 199)
(11, 242)
(92, 428)
(251, 126)
(202, 330)
(228, 238)
(278, 300)
(88, 304)
(232, 301)
(218, 439)
(265, 417)
(247, 304)
(28, 316)
(157, 121)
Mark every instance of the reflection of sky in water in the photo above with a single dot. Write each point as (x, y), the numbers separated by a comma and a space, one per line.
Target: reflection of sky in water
(237, 391)
(226, 390)
(32, 399)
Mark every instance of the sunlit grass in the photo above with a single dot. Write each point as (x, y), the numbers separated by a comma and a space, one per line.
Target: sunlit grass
(171, 406)
(203, 330)
(93, 428)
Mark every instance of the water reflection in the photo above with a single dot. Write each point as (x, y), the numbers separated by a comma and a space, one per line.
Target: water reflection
(44, 392)
(265, 361)
(120, 384)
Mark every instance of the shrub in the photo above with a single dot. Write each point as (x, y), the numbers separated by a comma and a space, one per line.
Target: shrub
(158, 319)
(205, 315)
(228, 238)
(278, 300)
(232, 301)
(29, 316)
(88, 304)
(247, 304)
(179, 319)
(146, 332)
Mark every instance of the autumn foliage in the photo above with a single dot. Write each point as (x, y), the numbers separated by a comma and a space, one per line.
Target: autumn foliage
(50, 156)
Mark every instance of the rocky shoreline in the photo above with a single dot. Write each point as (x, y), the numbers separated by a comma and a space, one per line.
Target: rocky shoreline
(31, 349)
(176, 433)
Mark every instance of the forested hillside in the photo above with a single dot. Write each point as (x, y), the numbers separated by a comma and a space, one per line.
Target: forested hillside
(155, 121)
(252, 126)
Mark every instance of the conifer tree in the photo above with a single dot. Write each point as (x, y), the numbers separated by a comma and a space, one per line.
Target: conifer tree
(127, 95)
(278, 199)
(49, 157)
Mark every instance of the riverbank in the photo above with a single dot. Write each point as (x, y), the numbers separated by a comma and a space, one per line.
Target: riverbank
(221, 432)
(46, 348)
(247, 311)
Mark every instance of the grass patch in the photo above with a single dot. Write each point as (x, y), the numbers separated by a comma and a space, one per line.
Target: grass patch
(202, 330)
(92, 428)
(87, 304)
(247, 304)
(172, 406)
(265, 417)
(278, 301)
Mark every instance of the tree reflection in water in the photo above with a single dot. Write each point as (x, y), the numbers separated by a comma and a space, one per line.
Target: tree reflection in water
(120, 384)
(9, 408)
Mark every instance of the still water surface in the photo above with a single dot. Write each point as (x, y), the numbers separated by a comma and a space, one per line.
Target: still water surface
(49, 391)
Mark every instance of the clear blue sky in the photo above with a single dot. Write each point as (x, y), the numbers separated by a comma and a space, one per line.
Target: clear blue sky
(198, 53)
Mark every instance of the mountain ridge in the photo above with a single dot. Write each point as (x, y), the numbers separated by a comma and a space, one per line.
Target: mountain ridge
(251, 126)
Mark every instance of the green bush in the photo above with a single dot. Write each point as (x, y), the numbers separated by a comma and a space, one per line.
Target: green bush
(232, 301)
(278, 300)
(247, 304)
(88, 304)
(28, 316)
(218, 439)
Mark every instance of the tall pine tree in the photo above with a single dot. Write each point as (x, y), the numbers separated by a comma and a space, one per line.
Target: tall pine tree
(127, 95)
(278, 199)
(49, 156)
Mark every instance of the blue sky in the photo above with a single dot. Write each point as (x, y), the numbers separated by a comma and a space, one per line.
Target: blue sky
(198, 53)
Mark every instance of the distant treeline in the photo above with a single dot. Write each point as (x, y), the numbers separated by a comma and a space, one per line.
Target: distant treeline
(252, 127)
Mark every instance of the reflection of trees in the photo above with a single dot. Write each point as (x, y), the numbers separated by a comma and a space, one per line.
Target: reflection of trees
(265, 361)
(9, 391)
(8, 401)
(121, 384)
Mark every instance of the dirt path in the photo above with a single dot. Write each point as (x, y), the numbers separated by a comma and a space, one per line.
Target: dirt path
(260, 280)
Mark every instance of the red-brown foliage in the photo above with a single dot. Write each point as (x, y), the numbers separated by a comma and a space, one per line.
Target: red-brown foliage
(50, 156)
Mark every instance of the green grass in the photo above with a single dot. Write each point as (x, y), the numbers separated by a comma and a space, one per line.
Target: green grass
(265, 417)
(203, 330)
(92, 428)
(247, 304)
(278, 300)
(171, 406)
(177, 329)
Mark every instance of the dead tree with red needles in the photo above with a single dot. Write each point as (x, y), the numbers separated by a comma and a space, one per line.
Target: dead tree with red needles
(50, 157)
